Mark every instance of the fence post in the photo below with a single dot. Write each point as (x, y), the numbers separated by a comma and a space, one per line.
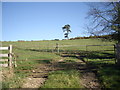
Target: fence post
(10, 57)
(115, 54)
(86, 47)
(57, 47)
(87, 53)
(118, 53)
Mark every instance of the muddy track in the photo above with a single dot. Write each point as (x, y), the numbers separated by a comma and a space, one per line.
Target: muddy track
(40, 74)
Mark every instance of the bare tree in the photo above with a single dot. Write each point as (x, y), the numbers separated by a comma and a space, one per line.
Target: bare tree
(105, 19)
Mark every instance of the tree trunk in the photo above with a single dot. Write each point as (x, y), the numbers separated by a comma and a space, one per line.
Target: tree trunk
(118, 53)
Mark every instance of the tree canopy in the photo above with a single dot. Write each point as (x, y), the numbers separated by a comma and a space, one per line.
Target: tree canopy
(67, 30)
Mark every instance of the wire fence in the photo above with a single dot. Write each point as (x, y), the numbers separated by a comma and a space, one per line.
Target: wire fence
(88, 48)
(101, 52)
(84, 50)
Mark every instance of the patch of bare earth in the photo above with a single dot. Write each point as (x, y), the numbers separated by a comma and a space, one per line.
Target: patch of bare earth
(88, 78)
(33, 82)
(6, 74)
(39, 75)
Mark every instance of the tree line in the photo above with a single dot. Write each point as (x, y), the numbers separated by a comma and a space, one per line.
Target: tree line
(90, 37)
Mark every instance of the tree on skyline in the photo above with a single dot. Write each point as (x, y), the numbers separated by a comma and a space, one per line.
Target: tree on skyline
(67, 30)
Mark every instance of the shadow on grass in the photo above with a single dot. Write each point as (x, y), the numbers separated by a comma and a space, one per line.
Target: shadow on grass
(82, 55)
(100, 55)
(55, 50)
(69, 66)
(108, 73)
(47, 61)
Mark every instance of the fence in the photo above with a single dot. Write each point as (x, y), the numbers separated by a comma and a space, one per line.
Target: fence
(59, 48)
(100, 52)
(76, 51)
(9, 57)
(117, 51)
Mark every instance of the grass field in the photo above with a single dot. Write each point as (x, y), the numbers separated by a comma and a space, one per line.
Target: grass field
(71, 79)
(30, 52)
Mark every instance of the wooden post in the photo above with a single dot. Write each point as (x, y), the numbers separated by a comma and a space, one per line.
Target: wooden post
(86, 53)
(10, 57)
(118, 53)
(86, 48)
(58, 50)
(57, 47)
(115, 54)
(15, 64)
(52, 50)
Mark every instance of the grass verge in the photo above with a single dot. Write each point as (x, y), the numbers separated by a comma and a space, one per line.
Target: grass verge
(63, 79)
(108, 73)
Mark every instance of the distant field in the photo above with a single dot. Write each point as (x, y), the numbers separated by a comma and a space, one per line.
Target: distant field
(40, 49)
(28, 52)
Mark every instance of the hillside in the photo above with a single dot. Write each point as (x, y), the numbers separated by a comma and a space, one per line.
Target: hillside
(79, 53)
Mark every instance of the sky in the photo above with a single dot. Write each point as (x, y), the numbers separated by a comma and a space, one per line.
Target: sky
(42, 20)
(0, 20)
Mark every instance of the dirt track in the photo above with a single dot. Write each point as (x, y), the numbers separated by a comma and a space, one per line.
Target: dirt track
(40, 73)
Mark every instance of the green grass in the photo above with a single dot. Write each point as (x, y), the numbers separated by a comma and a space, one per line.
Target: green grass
(108, 73)
(110, 77)
(63, 79)
(30, 52)
(15, 82)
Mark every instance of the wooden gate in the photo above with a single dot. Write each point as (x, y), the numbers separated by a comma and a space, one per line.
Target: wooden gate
(9, 56)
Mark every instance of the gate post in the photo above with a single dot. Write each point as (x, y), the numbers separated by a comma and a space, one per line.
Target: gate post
(10, 57)
(57, 47)
(118, 53)
(87, 52)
